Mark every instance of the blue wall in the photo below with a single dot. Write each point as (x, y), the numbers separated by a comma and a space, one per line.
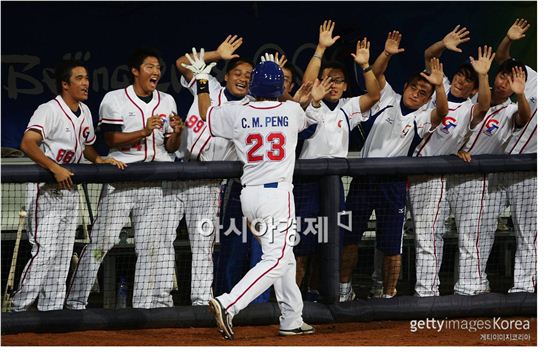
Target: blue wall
(35, 35)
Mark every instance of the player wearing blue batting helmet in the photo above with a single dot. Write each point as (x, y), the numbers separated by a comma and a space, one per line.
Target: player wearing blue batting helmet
(267, 80)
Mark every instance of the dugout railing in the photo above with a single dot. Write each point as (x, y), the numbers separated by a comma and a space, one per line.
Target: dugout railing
(328, 172)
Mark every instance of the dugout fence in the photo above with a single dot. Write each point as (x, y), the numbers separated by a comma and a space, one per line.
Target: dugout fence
(320, 186)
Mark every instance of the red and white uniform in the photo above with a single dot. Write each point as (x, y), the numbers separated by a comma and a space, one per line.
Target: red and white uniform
(52, 216)
(519, 191)
(143, 201)
(470, 199)
(331, 136)
(198, 200)
(265, 134)
(428, 197)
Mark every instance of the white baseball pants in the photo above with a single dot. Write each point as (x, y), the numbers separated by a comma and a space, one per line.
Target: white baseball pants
(155, 255)
(429, 209)
(51, 226)
(198, 201)
(278, 266)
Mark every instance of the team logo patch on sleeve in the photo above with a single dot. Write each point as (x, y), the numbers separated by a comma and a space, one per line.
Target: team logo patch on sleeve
(491, 127)
(86, 133)
(448, 124)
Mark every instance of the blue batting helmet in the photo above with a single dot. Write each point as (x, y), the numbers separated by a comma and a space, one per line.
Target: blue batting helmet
(267, 80)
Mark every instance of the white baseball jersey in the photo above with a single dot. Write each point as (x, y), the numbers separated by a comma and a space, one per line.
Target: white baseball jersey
(64, 135)
(265, 134)
(124, 108)
(524, 141)
(196, 140)
(455, 127)
(493, 133)
(392, 132)
(331, 136)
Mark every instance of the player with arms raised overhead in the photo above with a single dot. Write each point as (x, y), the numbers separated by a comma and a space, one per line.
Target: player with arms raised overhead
(430, 198)
(60, 132)
(265, 136)
(389, 132)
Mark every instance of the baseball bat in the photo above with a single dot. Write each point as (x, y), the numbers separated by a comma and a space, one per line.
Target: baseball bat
(95, 287)
(6, 300)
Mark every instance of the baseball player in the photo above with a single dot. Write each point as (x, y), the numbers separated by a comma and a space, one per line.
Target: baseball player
(140, 125)
(198, 199)
(329, 138)
(427, 194)
(60, 132)
(481, 193)
(519, 190)
(265, 136)
(395, 120)
(197, 144)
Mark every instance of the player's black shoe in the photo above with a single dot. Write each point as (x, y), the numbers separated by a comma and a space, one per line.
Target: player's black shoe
(222, 318)
(302, 330)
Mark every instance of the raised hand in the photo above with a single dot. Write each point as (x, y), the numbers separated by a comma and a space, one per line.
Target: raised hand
(517, 80)
(484, 59)
(362, 52)
(456, 37)
(436, 76)
(227, 48)
(303, 94)
(281, 61)
(320, 89)
(197, 65)
(518, 29)
(392, 43)
(325, 34)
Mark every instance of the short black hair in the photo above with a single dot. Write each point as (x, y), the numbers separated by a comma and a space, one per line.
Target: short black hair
(334, 65)
(417, 77)
(233, 63)
(292, 70)
(63, 72)
(136, 58)
(506, 67)
(469, 73)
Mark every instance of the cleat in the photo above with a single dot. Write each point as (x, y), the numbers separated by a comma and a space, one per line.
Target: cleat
(350, 296)
(302, 330)
(225, 326)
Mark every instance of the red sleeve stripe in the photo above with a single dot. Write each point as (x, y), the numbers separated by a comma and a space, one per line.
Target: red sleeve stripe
(36, 127)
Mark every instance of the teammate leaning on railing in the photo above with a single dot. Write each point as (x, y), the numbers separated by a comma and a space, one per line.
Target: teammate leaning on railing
(60, 132)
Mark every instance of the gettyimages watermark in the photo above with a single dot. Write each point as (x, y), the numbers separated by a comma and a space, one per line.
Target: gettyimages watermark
(495, 329)
(317, 226)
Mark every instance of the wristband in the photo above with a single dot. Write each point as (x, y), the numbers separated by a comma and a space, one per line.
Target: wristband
(367, 69)
(202, 86)
(386, 53)
(318, 57)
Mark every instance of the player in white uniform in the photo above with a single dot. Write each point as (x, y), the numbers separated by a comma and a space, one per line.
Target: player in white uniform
(198, 199)
(140, 125)
(265, 136)
(60, 132)
(427, 194)
(389, 132)
(519, 189)
(479, 194)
